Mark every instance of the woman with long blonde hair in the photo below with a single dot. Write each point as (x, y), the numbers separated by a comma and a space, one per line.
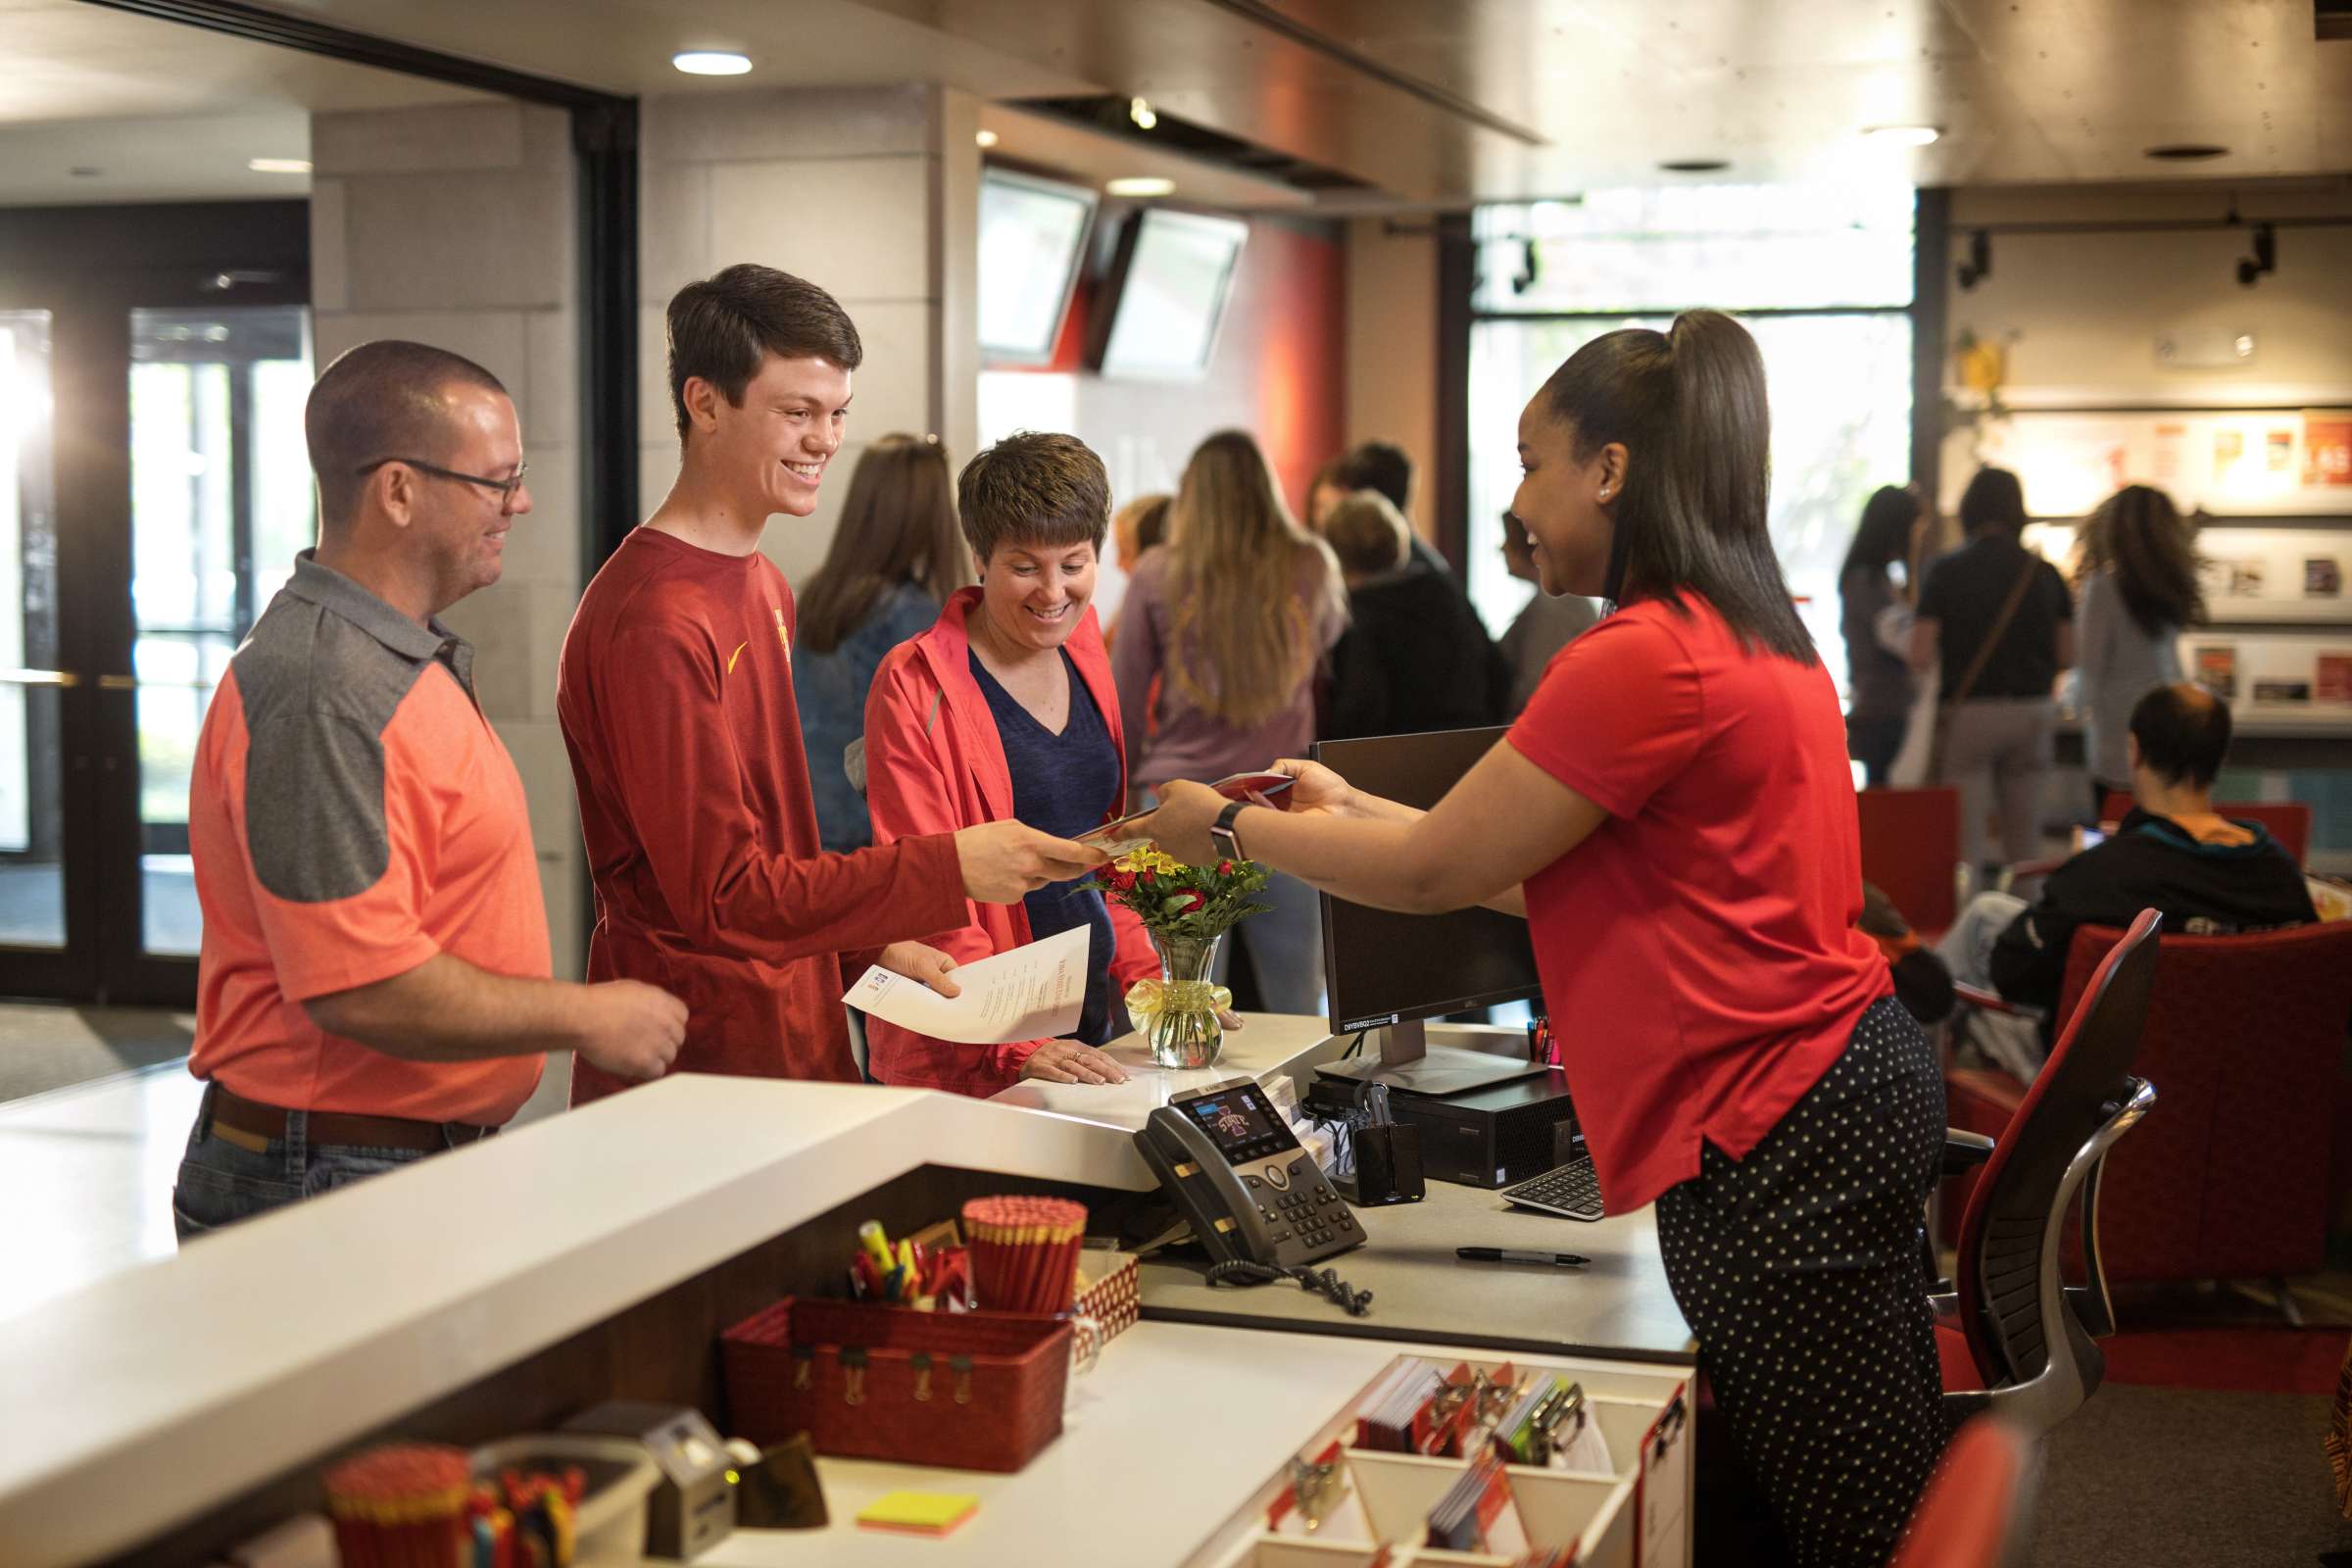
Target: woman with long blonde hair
(1224, 630)
(2138, 584)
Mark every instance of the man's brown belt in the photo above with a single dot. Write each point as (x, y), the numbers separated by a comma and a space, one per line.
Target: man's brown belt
(251, 1125)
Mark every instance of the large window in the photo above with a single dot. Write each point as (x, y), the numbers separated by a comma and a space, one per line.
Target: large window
(1823, 280)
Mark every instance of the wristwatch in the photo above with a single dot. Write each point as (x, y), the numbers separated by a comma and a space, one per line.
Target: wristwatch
(1222, 835)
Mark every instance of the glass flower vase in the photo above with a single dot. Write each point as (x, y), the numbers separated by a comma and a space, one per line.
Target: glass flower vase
(1183, 1028)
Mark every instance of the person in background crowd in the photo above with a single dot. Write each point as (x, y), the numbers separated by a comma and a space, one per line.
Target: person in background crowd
(373, 981)
(2209, 875)
(1006, 707)
(675, 695)
(1379, 466)
(2138, 581)
(1233, 619)
(1878, 680)
(1139, 525)
(1674, 815)
(1997, 621)
(1546, 625)
(1415, 656)
(897, 554)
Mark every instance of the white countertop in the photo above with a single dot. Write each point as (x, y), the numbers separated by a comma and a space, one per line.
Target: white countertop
(148, 1396)
(1267, 1043)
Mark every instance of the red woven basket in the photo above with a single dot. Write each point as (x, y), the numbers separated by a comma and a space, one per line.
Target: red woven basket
(973, 1390)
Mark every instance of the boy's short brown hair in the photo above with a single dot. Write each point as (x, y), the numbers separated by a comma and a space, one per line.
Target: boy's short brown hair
(1034, 488)
(1368, 534)
(724, 326)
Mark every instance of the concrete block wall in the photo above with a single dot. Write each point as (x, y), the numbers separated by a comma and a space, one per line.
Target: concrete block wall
(870, 193)
(456, 225)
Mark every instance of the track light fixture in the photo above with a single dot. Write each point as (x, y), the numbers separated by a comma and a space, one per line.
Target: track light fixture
(2264, 258)
(1979, 266)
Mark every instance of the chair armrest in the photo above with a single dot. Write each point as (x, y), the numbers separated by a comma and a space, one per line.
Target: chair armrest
(1963, 1150)
(1945, 1304)
(1987, 1000)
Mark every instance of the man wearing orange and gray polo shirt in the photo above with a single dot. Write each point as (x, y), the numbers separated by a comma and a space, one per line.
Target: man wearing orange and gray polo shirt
(373, 984)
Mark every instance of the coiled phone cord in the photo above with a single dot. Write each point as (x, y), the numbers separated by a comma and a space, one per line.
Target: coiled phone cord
(1247, 1271)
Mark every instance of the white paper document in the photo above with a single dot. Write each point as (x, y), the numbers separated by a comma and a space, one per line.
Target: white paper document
(1031, 993)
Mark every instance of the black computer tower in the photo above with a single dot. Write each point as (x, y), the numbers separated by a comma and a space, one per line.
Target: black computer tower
(1484, 1138)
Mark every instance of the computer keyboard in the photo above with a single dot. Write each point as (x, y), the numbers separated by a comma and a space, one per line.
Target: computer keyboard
(1571, 1190)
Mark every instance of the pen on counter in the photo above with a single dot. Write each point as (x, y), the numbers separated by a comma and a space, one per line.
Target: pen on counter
(1514, 1255)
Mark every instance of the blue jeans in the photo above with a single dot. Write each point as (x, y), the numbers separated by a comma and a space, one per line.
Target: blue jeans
(222, 1182)
(1285, 947)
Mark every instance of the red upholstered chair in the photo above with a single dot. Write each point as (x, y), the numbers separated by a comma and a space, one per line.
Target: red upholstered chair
(2290, 822)
(2246, 1036)
(2013, 1336)
(1911, 849)
(1978, 1506)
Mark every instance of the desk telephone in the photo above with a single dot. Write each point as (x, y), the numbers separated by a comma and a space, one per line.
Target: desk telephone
(1239, 1177)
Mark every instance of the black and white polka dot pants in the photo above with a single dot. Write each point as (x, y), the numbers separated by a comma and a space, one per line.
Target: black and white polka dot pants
(1799, 1269)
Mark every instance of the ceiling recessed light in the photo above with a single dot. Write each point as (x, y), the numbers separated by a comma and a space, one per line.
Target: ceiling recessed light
(712, 62)
(1904, 135)
(985, 139)
(1140, 185)
(1695, 165)
(2187, 152)
(1139, 111)
(279, 165)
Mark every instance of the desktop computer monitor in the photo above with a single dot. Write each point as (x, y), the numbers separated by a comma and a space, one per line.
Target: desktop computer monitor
(1389, 972)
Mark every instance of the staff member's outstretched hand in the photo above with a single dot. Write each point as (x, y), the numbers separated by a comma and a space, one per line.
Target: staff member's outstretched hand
(1065, 1062)
(630, 1030)
(1181, 822)
(1004, 860)
(919, 960)
(1318, 791)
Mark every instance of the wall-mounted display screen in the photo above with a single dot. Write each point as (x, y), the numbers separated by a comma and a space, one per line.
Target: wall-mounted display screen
(1032, 239)
(1178, 273)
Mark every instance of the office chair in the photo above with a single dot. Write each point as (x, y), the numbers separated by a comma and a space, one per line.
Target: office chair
(1911, 852)
(2235, 1181)
(1978, 1509)
(2013, 1337)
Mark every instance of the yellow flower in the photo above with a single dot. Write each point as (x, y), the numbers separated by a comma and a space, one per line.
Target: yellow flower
(1148, 859)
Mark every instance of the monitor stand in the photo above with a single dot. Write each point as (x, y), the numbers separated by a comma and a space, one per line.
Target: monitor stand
(1408, 1063)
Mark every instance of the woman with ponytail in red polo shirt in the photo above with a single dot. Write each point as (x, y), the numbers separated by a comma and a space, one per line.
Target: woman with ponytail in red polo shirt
(1674, 814)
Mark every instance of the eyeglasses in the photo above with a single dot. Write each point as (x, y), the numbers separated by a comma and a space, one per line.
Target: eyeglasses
(506, 487)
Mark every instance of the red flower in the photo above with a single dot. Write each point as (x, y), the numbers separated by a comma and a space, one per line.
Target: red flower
(1121, 881)
(1224, 868)
(1148, 878)
(1192, 902)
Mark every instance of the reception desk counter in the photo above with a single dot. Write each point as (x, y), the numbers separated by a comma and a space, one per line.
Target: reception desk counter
(170, 1410)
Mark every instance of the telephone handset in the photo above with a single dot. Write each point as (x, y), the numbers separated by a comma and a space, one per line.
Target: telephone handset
(1240, 1179)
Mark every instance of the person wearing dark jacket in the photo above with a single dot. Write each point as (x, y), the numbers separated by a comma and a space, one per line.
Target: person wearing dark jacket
(1415, 656)
(2209, 875)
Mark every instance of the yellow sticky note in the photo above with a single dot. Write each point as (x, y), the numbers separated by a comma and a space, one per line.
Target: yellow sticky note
(924, 1513)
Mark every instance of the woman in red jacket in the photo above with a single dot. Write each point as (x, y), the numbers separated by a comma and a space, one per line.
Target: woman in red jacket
(1675, 816)
(1006, 709)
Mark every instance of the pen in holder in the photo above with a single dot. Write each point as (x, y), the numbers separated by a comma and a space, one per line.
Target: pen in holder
(1388, 1156)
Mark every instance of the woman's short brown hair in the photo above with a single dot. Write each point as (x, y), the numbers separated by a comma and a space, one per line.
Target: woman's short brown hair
(1034, 488)
(1368, 534)
(724, 326)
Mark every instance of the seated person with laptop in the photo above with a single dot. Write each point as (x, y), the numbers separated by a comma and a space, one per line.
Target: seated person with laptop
(2211, 876)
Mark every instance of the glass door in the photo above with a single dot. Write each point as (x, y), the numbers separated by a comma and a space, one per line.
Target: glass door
(221, 504)
(154, 490)
(32, 850)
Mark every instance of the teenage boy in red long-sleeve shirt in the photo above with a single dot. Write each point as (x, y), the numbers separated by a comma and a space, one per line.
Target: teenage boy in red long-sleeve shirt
(677, 701)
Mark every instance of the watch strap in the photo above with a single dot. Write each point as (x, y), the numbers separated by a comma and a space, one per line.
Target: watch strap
(1221, 831)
